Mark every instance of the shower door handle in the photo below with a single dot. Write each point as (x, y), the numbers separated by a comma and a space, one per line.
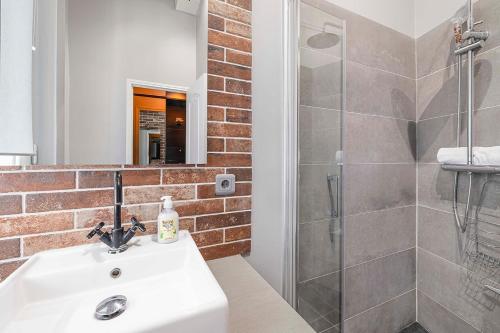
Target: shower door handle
(334, 195)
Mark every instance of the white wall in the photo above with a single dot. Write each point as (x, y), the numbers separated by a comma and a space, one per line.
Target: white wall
(430, 13)
(395, 14)
(267, 154)
(110, 41)
(45, 83)
(16, 133)
(202, 39)
(411, 17)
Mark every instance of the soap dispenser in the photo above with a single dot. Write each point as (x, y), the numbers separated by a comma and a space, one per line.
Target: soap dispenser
(168, 222)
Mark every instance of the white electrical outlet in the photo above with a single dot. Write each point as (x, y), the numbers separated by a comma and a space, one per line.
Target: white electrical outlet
(224, 184)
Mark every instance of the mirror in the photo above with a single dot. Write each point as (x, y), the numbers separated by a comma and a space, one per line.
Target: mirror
(103, 81)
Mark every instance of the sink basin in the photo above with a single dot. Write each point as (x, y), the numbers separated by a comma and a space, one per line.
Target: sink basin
(169, 288)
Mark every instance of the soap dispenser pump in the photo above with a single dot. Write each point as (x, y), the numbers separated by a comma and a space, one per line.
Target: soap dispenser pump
(168, 222)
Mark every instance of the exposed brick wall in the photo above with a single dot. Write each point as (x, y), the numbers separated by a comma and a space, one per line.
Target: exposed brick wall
(53, 207)
(152, 120)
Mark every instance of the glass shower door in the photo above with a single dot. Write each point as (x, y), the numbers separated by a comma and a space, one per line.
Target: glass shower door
(319, 197)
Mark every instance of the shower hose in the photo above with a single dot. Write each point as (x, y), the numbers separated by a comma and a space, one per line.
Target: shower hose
(462, 225)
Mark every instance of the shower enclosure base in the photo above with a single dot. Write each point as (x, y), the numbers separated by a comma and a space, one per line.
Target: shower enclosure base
(414, 328)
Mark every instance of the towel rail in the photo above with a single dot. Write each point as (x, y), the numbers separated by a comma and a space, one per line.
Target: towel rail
(481, 169)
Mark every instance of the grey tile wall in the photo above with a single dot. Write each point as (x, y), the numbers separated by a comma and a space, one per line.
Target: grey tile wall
(451, 297)
(391, 316)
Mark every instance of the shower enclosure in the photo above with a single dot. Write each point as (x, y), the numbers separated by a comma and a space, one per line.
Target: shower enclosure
(318, 47)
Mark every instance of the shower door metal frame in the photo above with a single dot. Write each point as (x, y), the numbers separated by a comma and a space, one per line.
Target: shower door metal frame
(291, 56)
(291, 23)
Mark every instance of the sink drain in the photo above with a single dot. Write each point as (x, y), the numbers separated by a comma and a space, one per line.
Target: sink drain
(111, 307)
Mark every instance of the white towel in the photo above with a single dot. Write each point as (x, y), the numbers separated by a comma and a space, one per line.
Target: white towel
(480, 155)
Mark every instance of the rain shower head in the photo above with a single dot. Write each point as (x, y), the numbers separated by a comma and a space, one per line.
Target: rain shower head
(324, 39)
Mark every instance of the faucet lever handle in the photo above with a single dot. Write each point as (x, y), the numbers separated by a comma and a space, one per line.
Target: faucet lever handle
(96, 230)
(137, 225)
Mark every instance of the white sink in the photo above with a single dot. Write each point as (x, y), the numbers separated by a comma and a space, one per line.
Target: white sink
(169, 288)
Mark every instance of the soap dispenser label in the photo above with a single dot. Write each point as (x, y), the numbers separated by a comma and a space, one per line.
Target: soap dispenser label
(168, 229)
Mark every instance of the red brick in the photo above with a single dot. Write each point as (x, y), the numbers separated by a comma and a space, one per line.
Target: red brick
(10, 204)
(44, 202)
(181, 176)
(10, 248)
(239, 29)
(238, 87)
(192, 208)
(222, 220)
(90, 218)
(229, 160)
(229, 130)
(215, 83)
(34, 224)
(215, 53)
(231, 100)
(225, 250)
(32, 245)
(187, 224)
(215, 22)
(208, 238)
(96, 179)
(215, 144)
(239, 116)
(246, 4)
(239, 145)
(8, 268)
(215, 114)
(240, 58)
(36, 181)
(224, 10)
(10, 167)
(233, 42)
(207, 191)
(139, 195)
(243, 174)
(235, 204)
(229, 70)
(237, 233)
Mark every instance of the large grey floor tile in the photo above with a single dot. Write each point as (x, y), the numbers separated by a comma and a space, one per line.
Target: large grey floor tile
(319, 249)
(486, 122)
(434, 49)
(389, 317)
(435, 190)
(414, 328)
(321, 296)
(321, 84)
(437, 133)
(435, 187)
(487, 80)
(314, 199)
(370, 139)
(489, 12)
(438, 233)
(371, 187)
(319, 135)
(377, 92)
(459, 290)
(378, 281)
(373, 235)
(437, 319)
(437, 94)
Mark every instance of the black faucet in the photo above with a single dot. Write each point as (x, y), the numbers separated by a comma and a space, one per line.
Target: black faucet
(117, 240)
